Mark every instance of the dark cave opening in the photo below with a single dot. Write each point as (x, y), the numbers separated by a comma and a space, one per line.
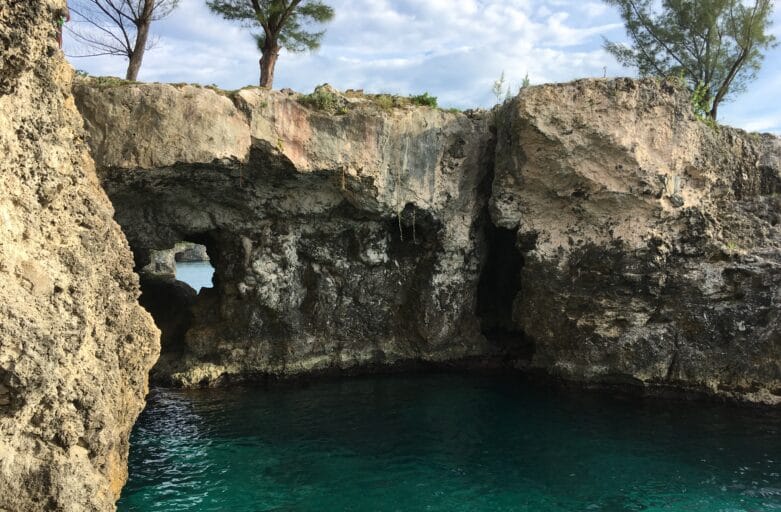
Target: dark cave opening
(171, 281)
(498, 290)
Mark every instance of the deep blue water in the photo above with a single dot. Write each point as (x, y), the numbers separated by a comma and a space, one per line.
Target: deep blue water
(448, 443)
(197, 274)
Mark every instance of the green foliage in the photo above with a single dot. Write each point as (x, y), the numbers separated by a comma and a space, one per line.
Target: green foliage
(321, 100)
(385, 101)
(81, 73)
(283, 23)
(701, 101)
(526, 82)
(424, 100)
(498, 88)
(716, 43)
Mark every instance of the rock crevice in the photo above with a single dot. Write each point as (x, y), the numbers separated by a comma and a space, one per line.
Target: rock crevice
(595, 230)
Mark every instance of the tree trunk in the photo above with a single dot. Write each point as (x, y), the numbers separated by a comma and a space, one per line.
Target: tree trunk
(714, 111)
(142, 37)
(268, 62)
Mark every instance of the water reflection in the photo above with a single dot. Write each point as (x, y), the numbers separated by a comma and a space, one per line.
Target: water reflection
(448, 443)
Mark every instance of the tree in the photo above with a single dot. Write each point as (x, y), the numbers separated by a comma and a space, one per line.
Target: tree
(715, 45)
(117, 27)
(285, 24)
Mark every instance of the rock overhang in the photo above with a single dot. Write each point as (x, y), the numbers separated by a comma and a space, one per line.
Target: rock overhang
(612, 186)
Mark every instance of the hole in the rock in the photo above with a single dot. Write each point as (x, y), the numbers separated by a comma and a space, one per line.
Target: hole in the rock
(412, 232)
(193, 266)
(170, 284)
(499, 286)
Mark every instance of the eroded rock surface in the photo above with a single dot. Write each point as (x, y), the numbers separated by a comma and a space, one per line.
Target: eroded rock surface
(627, 241)
(652, 243)
(339, 241)
(75, 346)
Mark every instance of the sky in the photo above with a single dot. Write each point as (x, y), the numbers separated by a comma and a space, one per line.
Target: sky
(453, 49)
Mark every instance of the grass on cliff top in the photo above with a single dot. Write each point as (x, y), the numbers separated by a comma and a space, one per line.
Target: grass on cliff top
(332, 103)
(104, 82)
(389, 101)
(324, 101)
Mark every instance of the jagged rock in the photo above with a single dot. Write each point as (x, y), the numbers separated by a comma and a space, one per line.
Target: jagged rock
(162, 265)
(75, 346)
(648, 243)
(190, 252)
(210, 128)
(652, 253)
(338, 241)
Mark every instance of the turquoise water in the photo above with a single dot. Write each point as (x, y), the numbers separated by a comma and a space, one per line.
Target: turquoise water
(448, 443)
(197, 274)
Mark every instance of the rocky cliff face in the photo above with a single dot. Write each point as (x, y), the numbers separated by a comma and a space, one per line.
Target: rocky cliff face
(339, 241)
(626, 241)
(75, 346)
(651, 242)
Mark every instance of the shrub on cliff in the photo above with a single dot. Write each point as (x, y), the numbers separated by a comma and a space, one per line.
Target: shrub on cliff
(320, 100)
(424, 100)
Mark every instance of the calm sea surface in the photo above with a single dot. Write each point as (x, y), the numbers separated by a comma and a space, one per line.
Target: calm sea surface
(197, 274)
(447, 443)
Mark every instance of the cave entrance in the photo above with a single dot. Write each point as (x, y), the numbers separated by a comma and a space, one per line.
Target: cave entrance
(170, 284)
(498, 291)
(187, 262)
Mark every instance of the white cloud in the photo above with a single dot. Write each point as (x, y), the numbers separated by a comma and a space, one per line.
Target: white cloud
(453, 49)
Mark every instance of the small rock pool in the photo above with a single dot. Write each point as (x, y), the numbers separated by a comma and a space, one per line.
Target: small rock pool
(448, 443)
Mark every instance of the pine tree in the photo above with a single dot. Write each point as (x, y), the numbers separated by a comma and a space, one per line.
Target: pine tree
(284, 23)
(715, 45)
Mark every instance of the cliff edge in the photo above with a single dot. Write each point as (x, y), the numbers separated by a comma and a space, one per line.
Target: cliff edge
(75, 346)
(651, 241)
(596, 230)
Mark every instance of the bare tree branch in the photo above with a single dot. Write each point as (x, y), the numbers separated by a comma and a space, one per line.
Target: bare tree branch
(116, 27)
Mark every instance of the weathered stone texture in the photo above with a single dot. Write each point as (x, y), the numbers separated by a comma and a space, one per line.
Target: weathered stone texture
(652, 241)
(75, 346)
(649, 241)
(339, 241)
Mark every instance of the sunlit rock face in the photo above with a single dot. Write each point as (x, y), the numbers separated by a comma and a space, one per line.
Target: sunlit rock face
(651, 241)
(339, 241)
(595, 230)
(75, 346)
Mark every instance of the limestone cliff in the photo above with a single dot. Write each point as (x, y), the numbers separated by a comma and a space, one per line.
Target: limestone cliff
(627, 242)
(652, 242)
(339, 241)
(75, 346)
